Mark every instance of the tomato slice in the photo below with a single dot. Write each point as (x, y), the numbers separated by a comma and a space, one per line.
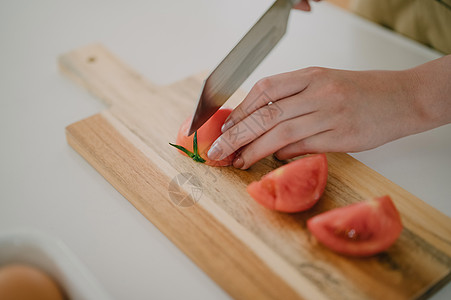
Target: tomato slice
(294, 187)
(360, 229)
(206, 135)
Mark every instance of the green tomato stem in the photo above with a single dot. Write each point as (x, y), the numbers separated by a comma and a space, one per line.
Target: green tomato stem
(195, 156)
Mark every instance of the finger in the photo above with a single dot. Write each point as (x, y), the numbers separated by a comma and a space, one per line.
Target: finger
(317, 143)
(258, 123)
(280, 136)
(269, 89)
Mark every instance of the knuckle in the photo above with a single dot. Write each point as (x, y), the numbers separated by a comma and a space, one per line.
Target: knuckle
(300, 147)
(316, 72)
(237, 114)
(264, 85)
(286, 131)
(258, 95)
(282, 154)
(264, 118)
(239, 135)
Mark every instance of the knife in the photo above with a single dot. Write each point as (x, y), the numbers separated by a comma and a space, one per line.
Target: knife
(242, 61)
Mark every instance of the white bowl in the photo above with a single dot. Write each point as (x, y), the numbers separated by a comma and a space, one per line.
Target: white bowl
(54, 257)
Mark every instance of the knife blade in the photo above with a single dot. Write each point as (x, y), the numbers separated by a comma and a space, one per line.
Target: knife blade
(236, 67)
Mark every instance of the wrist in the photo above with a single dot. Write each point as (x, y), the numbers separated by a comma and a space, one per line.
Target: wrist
(429, 89)
(420, 115)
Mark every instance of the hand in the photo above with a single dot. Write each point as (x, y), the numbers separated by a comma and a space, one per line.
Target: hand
(317, 110)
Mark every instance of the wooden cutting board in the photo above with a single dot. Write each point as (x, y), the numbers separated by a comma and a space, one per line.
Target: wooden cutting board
(252, 252)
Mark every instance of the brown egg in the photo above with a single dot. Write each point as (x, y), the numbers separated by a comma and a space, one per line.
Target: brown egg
(24, 282)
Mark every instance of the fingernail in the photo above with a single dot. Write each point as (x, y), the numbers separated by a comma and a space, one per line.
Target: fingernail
(227, 125)
(215, 151)
(238, 162)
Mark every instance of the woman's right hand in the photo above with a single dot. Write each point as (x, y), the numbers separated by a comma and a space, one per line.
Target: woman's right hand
(318, 110)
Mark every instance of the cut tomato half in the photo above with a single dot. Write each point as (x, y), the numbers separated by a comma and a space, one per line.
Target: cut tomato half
(360, 229)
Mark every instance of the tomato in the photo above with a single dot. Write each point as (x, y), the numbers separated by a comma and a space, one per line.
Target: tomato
(360, 229)
(206, 135)
(294, 187)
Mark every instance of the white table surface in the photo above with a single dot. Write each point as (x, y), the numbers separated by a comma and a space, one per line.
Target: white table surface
(47, 186)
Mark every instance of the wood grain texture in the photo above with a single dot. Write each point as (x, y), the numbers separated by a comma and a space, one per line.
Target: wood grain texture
(253, 253)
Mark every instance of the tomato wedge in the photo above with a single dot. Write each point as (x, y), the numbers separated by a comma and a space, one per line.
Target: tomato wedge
(294, 187)
(206, 135)
(360, 229)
